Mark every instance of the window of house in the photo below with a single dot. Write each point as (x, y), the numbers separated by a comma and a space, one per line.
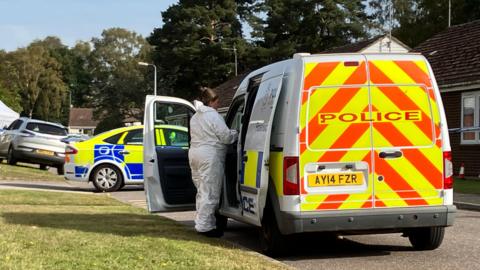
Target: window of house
(470, 117)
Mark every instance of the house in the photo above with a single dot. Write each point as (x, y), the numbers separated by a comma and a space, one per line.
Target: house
(81, 121)
(379, 44)
(227, 90)
(454, 55)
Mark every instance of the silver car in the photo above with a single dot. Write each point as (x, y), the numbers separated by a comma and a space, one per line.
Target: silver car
(34, 141)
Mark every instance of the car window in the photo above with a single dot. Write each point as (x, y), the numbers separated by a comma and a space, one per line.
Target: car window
(175, 137)
(134, 137)
(15, 125)
(234, 118)
(46, 129)
(114, 138)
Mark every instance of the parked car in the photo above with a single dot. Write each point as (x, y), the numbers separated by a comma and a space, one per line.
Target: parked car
(34, 141)
(114, 158)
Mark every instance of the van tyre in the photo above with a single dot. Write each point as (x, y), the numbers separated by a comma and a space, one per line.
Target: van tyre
(11, 160)
(107, 178)
(426, 238)
(272, 241)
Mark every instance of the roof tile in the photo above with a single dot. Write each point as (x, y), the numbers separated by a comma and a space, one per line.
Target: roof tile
(454, 54)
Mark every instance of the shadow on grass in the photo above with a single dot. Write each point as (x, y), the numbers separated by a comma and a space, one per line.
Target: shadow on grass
(124, 224)
(60, 187)
(47, 187)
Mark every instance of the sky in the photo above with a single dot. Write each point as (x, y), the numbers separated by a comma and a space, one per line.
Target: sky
(22, 21)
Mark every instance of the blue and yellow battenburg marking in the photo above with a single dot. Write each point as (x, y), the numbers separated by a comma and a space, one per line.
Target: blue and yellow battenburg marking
(251, 169)
(133, 171)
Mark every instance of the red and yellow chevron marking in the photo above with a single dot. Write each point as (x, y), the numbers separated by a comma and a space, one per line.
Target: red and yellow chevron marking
(338, 124)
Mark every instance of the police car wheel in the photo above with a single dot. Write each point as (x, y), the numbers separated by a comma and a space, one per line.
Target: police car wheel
(107, 178)
(272, 242)
(426, 238)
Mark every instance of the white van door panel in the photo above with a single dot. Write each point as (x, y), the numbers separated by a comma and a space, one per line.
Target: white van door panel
(168, 183)
(254, 172)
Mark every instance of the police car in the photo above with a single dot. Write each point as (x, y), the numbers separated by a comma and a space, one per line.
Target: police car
(114, 159)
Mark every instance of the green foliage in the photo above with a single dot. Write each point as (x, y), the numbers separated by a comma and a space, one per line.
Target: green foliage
(10, 98)
(119, 84)
(194, 46)
(311, 26)
(36, 76)
(414, 21)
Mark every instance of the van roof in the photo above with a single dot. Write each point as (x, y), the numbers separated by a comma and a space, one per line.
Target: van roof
(307, 56)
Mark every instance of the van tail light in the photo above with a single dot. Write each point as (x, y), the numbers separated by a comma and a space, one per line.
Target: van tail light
(447, 170)
(290, 176)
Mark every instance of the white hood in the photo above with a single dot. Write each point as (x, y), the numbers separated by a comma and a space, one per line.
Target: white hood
(200, 107)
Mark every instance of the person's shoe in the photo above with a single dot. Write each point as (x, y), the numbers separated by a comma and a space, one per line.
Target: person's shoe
(212, 233)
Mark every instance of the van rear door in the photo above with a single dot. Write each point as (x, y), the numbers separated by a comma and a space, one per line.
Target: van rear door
(336, 166)
(407, 141)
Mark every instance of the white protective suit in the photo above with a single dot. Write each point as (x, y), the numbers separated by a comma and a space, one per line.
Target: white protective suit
(209, 138)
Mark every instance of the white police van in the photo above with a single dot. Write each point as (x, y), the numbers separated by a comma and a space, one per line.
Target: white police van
(345, 143)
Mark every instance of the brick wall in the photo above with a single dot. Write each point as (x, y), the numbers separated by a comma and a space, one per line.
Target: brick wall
(467, 154)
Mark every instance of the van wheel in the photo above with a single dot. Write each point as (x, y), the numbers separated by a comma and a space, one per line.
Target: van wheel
(107, 178)
(272, 241)
(60, 170)
(11, 160)
(426, 238)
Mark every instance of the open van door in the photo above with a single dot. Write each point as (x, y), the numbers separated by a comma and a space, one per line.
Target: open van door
(256, 149)
(168, 181)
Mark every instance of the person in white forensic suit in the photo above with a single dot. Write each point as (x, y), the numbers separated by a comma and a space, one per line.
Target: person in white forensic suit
(208, 147)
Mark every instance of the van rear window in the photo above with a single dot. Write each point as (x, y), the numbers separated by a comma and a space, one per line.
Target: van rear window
(46, 129)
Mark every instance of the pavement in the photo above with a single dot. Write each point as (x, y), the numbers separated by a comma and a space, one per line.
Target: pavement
(467, 201)
(134, 194)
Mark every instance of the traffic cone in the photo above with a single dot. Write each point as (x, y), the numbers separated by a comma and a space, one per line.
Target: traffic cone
(461, 174)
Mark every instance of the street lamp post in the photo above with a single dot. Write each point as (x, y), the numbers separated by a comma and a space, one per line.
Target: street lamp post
(234, 49)
(154, 75)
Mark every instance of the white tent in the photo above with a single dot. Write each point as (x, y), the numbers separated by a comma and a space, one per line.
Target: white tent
(7, 115)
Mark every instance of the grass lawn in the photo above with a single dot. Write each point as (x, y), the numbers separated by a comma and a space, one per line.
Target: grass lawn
(26, 172)
(471, 186)
(47, 230)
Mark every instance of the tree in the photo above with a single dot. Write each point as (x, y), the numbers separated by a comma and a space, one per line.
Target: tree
(414, 21)
(194, 46)
(311, 25)
(119, 84)
(36, 77)
(10, 97)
